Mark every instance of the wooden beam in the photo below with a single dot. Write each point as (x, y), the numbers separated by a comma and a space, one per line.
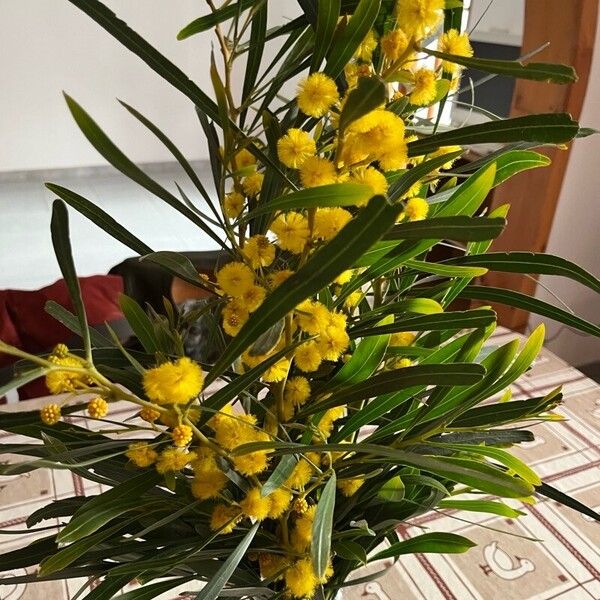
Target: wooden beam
(570, 27)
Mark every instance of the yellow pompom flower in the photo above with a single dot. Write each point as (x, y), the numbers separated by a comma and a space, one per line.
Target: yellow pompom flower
(316, 171)
(50, 414)
(402, 363)
(97, 408)
(349, 487)
(425, 88)
(300, 579)
(182, 435)
(252, 184)
(276, 372)
(253, 297)
(325, 425)
(312, 316)
(402, 338)
(244, 158)
(373, 178)
(353, 299)
(256, 506)
(295, 147)
(317, 94)
(332, 342)
(330, 221)
(419, 17)
(60, 381)
(280, 500)
(149, 414)
(209, 480)
(173, 459)
(416, 209)
(252, 463)
(307, 357)
(234, 315)
(61, 351)
(233, 204)
(301, 534)
(394, 159)
(224, 518)
(394, 44)
(235, 278)
(300, 476)
(297, 390)
(457, 43)
(292, 231)
(344, 277)
(276, 278)
(365, 49)
(259, 251)
(272, 565)
(174, 382)
(141, 454)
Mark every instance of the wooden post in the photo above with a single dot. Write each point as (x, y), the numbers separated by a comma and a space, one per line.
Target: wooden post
(570, 27)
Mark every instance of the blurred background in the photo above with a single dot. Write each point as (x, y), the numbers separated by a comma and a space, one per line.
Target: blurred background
(49, 46)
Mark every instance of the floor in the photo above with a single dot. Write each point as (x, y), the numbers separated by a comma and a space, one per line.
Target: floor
(26, 255)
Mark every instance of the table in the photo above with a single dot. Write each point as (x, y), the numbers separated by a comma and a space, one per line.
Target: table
(565, 564)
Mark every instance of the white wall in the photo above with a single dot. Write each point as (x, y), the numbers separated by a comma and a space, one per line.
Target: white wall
(576, 230)
(49, 45)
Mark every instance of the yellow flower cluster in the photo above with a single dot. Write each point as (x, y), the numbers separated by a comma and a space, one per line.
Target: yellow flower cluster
(456, 43)
(97, 408)
(50, 414)
(69, 379)
(141, 454)
(209, 479)
(174, 382)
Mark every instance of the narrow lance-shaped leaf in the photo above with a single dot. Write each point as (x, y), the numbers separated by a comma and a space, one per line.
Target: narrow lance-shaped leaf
(322, 527)
(438, 543)
(218, 16)
(328, 13)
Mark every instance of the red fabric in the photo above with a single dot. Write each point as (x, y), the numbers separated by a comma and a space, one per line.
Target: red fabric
(35, 331)
(39, 331)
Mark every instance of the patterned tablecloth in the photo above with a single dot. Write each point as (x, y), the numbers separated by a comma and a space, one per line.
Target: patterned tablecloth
(565, 564)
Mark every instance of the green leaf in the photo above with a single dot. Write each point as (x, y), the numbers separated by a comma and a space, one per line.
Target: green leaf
(70, 321)
(554, 494)
(322, 268)
(484, 506)
(100, 218)
(548, 72)
(553, 128)
(117, 159)
(334, 194)
(321, 530)
(392, 490)
(350, 550)
(438, 543)
(368, 95)
(279, 475)
(229, 11)
(59, 228)
(140, 323)
(177, 264)
(445, 269)
(328, 13)
(152, 57)
(351, 36)
(212, 589)
(530, 262)
(528, 303)
(464, 229)
(149, 591)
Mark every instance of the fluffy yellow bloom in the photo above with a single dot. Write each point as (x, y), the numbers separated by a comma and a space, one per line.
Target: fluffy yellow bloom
(416, 209)
(301, 534)
(297, 390)
(149, 414)
(271, 565)
(141, 454)
(50, 414)
(353, 299)
(419, 17)
(307, 357)
(253, 297)
(300, 476)
(325, 425)
(182, 435)
(402, 338)
(209, 479)
(255, 506)
(280, 500)
(300, 579)
(276, 278)
(233, 204)
(332, 342)
(365, 49)
(235, 278)
(226, 425)
(252, 184)
(259, 251)
(312, 316)
(252, 463)
(425, 88)
(277, 372)
(402, 363)
(373, 178)
(349, 487)
(244, 158)
(292, 231)
(224, 518)
(97, 408)
(173, 459)
(394, 44)
(330, 221)
(234, 315)
(61, 381)
(317, 94)
(454, 42)
(174, 382)
(295, 147)
(317, 171)
(60, 351)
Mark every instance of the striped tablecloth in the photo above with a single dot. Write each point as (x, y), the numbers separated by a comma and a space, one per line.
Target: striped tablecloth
(565, 564)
